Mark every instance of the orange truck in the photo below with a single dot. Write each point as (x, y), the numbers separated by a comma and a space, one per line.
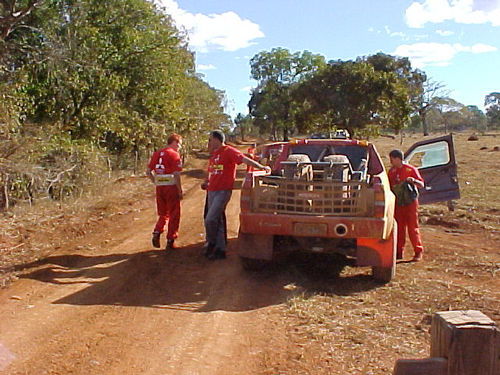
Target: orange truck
(331, 197)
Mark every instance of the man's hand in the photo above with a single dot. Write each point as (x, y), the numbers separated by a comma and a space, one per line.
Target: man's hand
(204, 185)
(181, 195)
(414, 181)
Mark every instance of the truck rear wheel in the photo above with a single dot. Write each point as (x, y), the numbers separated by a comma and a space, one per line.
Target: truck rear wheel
(383, 274)
(386, 274)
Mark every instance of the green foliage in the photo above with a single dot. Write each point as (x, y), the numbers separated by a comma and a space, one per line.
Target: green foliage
(244, 125)
(300, 92)
(369, 94)
(106, 80)
(446, 114)
(492, 103)
(277, 72)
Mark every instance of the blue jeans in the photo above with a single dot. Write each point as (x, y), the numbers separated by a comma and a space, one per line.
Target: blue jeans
(214, 223)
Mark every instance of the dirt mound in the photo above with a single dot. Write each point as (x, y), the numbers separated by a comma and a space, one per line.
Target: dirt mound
(442, 222)
(473, 137)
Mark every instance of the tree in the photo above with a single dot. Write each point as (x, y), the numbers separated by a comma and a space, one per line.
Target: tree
(473, 117)
(81, 77)
(358, 94)
(450, 113)
(243, 124)
(431, 90)
(492, 104)
(277, 71)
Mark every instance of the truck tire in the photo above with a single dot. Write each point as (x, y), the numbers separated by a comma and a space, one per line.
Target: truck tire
(383, 274)
(251, 264)
(386, 274)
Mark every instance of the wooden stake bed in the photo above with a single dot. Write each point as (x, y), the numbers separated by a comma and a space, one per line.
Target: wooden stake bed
(284, 196)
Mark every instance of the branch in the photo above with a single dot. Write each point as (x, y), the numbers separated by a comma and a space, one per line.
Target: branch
(58, 178)
(12, 17)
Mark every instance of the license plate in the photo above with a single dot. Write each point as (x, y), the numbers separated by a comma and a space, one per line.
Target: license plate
(310, 229)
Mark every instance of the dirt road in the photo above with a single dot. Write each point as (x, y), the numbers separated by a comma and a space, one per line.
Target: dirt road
(108, 303)
(119, 307)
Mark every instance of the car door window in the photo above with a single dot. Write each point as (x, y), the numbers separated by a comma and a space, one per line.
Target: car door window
(429, 155)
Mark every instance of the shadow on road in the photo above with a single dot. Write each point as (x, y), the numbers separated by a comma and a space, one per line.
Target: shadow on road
(183, 280)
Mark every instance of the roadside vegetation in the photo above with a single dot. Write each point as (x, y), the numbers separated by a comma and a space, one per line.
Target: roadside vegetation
(91, 87)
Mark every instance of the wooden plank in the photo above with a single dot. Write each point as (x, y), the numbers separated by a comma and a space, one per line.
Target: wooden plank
(427, 366)
(468, 339)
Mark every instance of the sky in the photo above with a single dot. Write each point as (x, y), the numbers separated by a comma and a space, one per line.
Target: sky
(455, 42)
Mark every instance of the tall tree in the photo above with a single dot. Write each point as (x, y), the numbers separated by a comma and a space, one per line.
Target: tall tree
(243, 124)
(492, 104)
(277, 72)
(370, 92)
(426, 102)
(112, 70)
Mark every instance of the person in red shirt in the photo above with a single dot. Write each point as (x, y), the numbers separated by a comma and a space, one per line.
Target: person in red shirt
(251, 153)
(164, 171)
(219, 186)
(406, 215)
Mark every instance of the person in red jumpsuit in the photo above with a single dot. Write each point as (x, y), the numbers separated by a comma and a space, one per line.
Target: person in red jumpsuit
(164, 171)
(406, 215)
(251, 153)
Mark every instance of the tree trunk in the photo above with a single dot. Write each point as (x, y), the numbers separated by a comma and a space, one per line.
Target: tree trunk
(4, 202)
(424, 126)
(423, 117)
(242, 132)
(285, 134)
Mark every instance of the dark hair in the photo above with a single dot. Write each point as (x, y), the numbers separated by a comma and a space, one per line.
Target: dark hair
(219, 135)
(396, 154)
(173, 137)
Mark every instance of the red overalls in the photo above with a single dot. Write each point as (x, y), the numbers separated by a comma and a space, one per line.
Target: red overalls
(168, 204)
(406, 216)
(251, 154)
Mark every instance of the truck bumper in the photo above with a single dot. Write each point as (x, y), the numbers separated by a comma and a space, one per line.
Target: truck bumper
(375, 238)
(323, 226)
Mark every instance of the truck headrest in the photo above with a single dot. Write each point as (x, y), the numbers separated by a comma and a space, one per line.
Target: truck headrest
(299, 158)
(337, 159)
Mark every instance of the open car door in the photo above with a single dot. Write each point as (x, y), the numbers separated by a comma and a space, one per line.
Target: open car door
(435, 159)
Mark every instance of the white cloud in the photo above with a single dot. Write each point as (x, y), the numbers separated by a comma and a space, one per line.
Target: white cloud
(394, 33)
(437, 54)
(225, 31)
(247, 89)
(205, 67)
(444, 32)
(460, 11)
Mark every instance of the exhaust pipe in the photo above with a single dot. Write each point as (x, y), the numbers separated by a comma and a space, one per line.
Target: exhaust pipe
(340, 230)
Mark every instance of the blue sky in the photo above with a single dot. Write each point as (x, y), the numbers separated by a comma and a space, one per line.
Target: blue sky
(455, 42)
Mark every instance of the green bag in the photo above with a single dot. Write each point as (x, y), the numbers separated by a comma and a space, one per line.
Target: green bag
(405, 193)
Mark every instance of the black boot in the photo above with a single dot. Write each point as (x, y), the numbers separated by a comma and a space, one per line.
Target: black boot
(156, 240)
(209, 250)
(217, 254)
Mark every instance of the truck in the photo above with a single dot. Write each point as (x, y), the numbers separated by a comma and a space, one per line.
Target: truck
(332, 197)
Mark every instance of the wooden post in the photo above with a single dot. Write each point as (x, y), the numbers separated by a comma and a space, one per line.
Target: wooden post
(469, 340)
(427, 366)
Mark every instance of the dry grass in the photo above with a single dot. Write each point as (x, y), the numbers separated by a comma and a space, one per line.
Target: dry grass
(353, 326)
(30, 233)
